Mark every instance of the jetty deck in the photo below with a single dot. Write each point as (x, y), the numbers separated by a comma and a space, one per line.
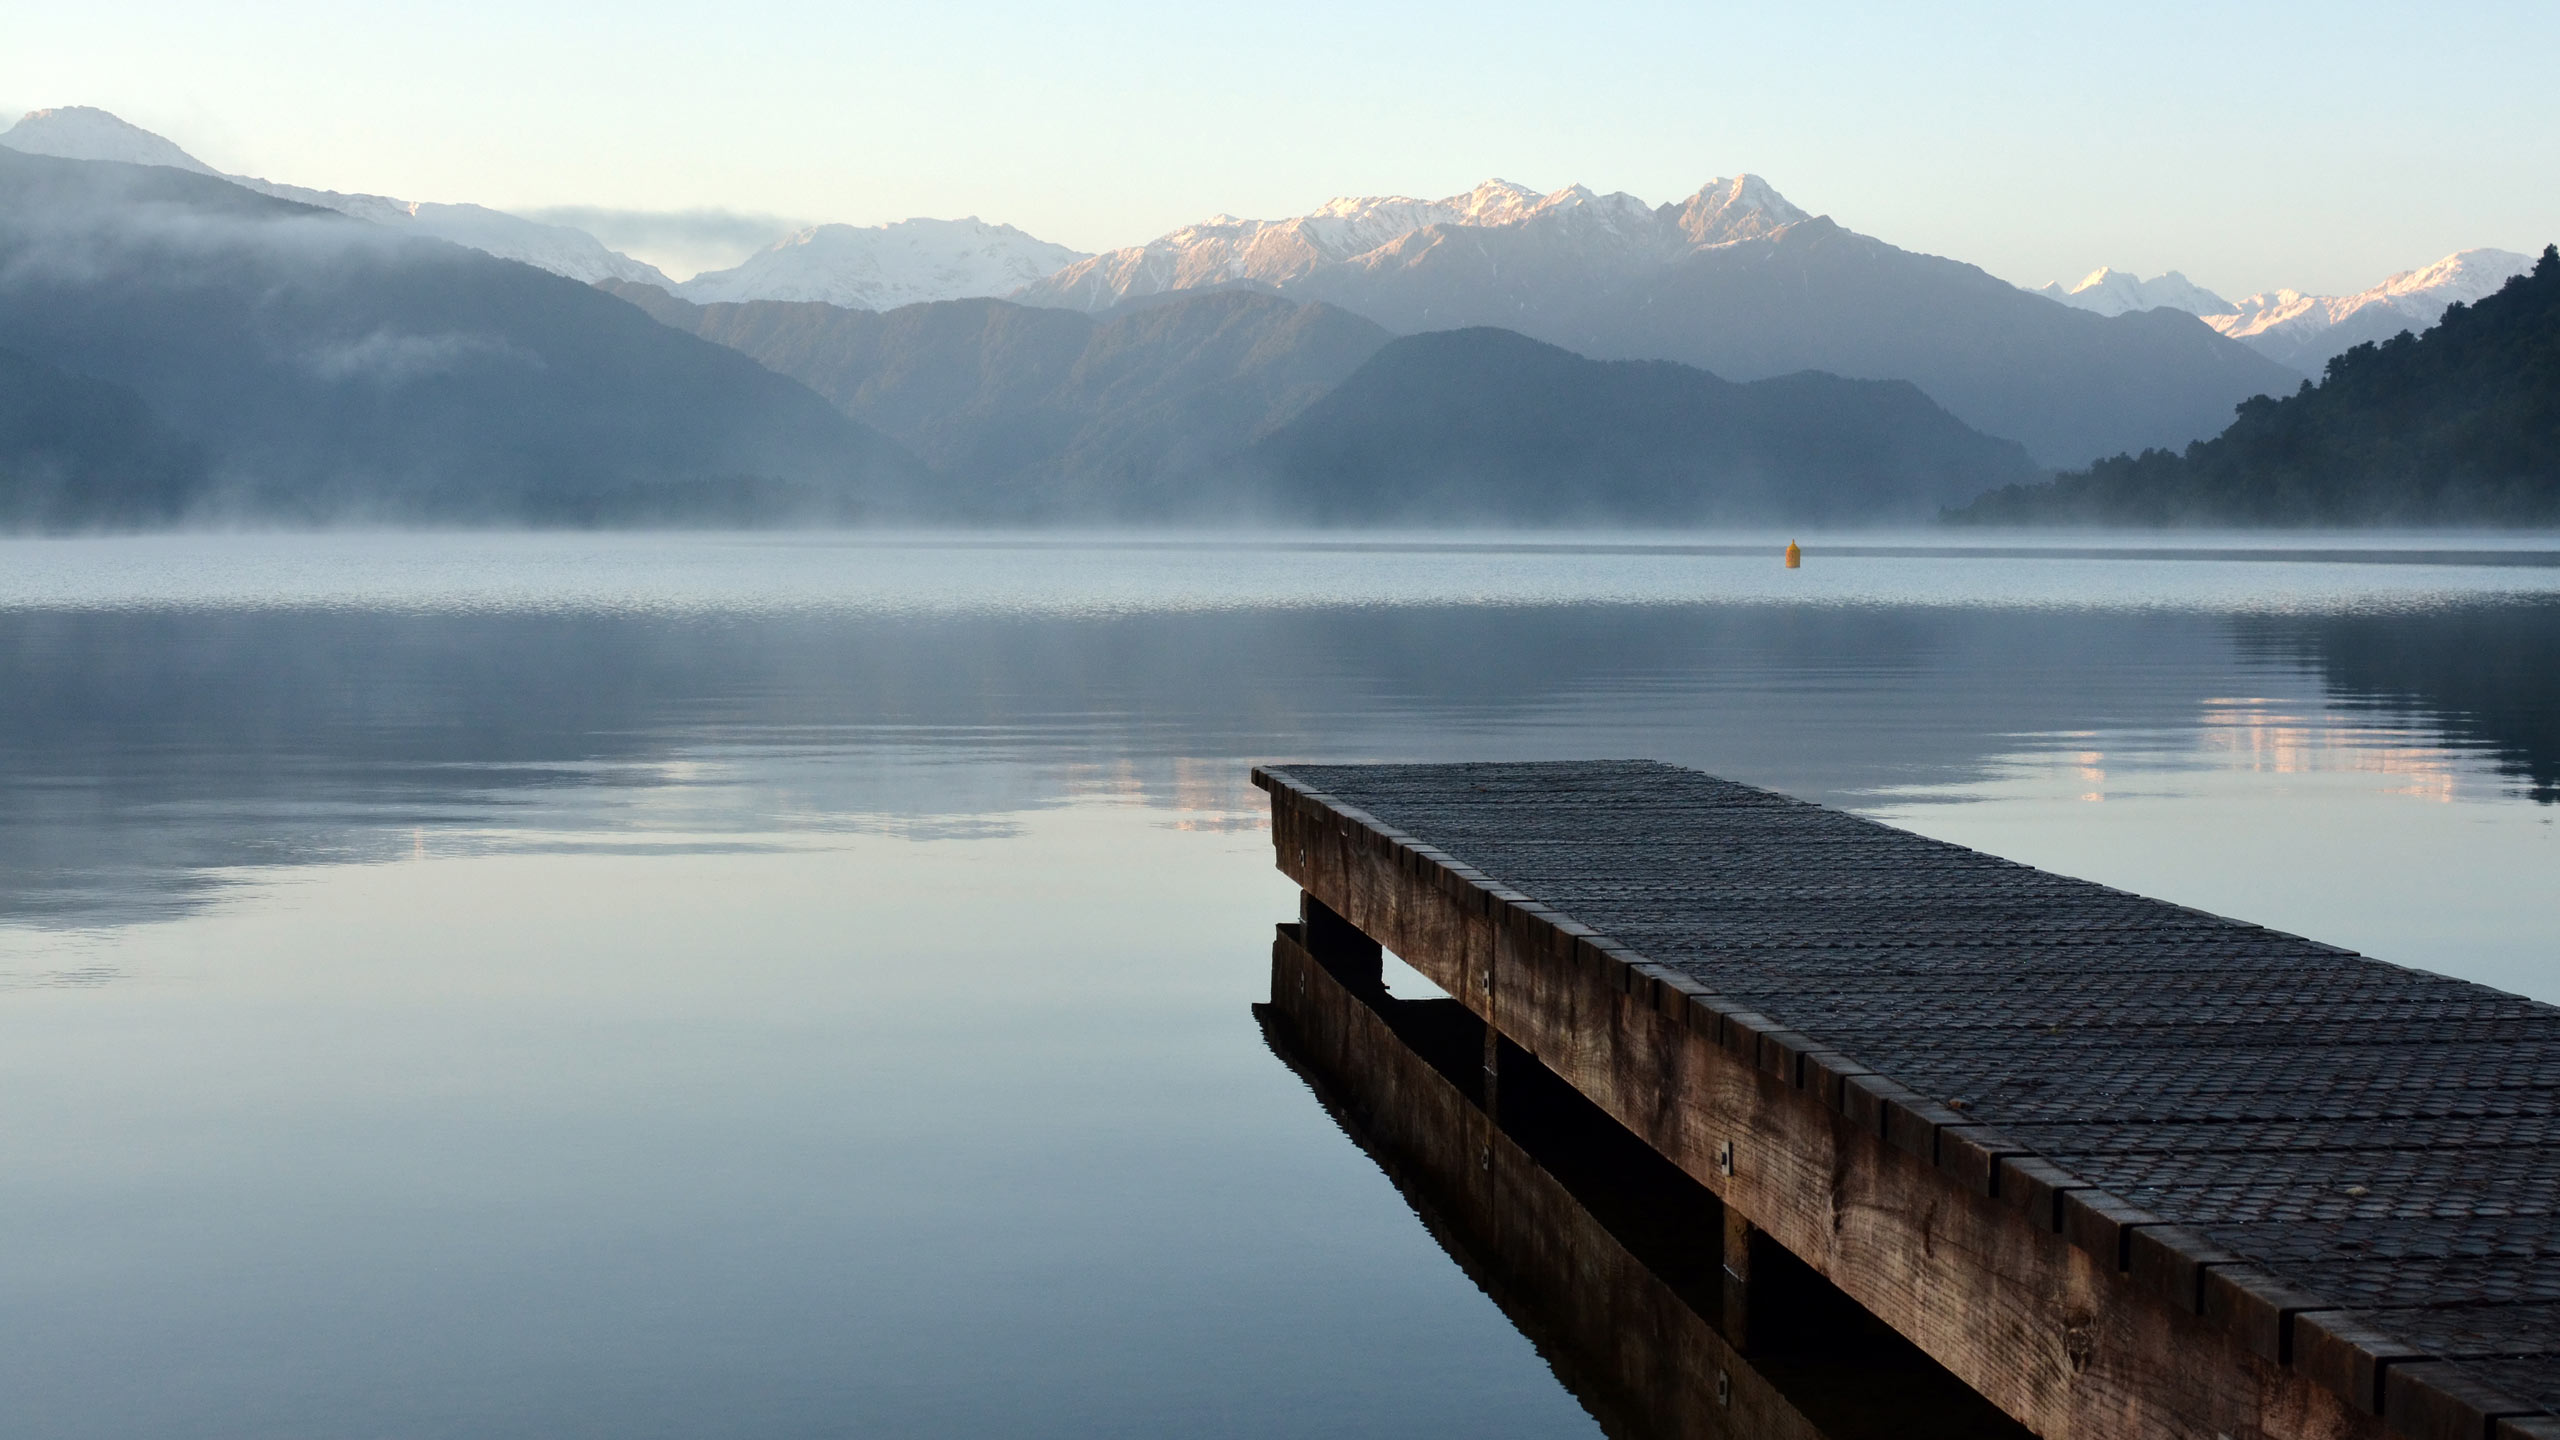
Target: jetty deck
(2122, 1167)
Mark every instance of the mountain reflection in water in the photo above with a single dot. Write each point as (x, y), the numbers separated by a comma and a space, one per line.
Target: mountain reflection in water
(2480, 677)
(153, 756)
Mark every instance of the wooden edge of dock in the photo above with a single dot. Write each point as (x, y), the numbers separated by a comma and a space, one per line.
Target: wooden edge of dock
(1651, 1341)
(2118, 1322)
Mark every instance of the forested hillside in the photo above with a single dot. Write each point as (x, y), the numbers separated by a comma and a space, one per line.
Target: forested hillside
(2460, 425)
(80, 452)
(1036, 413)
(1486, 426)
(326, 369)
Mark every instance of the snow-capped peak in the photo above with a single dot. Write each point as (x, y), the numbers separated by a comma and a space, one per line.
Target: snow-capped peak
(881, 267)
(2305, 330)
(1741, 208)
(2465, 275)
(1500, 202)
(1368, 231)
(84, 132)
(2110, 291)
(2421, 294)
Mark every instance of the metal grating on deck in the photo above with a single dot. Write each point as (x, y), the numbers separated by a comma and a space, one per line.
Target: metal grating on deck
(2383, 1138)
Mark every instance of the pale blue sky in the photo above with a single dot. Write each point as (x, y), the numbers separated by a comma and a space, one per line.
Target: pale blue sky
(2252, 146)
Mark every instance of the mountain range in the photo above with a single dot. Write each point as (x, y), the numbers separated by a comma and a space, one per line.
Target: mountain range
(229, 345)
(175, 346)
(1041, 413)
(79, 132)
(1366, 233)
(2304, 331)
(324, 368)
(1239, 403)
(2109, 291)
(2459, 425)
(881, 267)
(1735, 280)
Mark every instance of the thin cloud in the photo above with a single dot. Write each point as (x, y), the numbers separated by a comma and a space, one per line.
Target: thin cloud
(388, 358)
(680, 242)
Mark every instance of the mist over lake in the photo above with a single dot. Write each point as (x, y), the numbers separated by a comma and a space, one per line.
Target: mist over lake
(764, 985)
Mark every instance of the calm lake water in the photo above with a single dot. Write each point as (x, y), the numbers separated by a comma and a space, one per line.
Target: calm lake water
(794, 986)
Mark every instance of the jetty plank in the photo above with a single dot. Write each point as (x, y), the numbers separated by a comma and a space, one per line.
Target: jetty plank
(2124, 1167)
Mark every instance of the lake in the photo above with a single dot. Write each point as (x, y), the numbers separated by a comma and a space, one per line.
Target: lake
(644, 985)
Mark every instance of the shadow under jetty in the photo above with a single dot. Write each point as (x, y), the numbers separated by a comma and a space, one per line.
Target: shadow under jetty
(1662, 1318)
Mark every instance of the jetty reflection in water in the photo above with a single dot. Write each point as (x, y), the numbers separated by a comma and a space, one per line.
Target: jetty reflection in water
(1606, 1256)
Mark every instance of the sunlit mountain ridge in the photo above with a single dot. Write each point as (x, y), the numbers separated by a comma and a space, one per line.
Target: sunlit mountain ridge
(1735, 279)
(2304, 331)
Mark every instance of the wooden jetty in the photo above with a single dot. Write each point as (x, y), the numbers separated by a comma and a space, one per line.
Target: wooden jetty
(2123, 1168)
(1604, 1254)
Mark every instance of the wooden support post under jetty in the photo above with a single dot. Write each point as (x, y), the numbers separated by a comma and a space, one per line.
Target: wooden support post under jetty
(2123, 1168)
(1737, 1278)
(1599, 1250)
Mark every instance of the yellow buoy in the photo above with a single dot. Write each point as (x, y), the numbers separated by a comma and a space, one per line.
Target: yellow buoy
(1795, 557)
